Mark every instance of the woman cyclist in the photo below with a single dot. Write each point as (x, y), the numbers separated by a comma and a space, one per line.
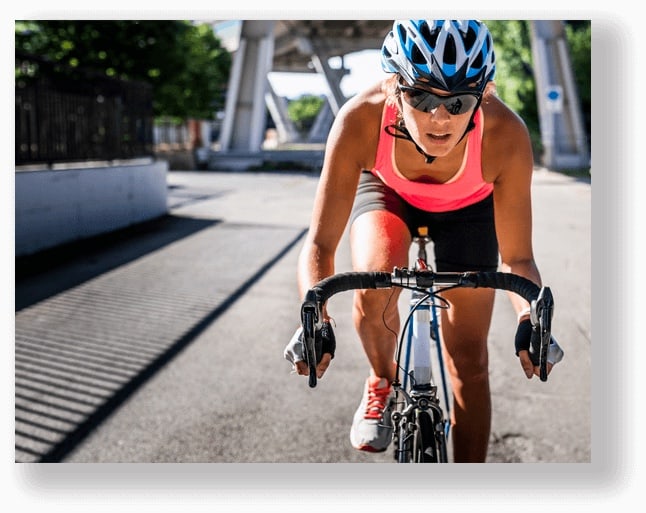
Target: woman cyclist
(432, 145)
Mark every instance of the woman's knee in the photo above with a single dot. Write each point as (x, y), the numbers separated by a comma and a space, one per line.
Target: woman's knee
(466, 345)
(375, 305)
(470, 362)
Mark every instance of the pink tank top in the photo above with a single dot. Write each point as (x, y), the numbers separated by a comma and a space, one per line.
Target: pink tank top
(465, 188)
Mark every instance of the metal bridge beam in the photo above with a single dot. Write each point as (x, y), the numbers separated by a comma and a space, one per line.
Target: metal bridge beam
(277, 107)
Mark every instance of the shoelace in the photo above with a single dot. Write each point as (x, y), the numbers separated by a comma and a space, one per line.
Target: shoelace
(377, 398)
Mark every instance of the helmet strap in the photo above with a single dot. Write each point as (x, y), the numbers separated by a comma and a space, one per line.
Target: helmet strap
(400, 131)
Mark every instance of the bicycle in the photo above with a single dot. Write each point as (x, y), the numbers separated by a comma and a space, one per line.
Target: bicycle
(421, 414)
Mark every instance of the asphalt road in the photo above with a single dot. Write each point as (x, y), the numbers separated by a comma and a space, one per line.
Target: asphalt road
(164, 344)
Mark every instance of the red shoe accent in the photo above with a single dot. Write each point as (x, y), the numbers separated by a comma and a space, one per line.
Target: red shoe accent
(378, 392)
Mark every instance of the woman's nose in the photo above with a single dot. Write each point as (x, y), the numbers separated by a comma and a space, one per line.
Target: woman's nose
(440, 113)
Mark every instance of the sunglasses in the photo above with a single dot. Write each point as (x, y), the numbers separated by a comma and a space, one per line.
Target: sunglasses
(426, 101)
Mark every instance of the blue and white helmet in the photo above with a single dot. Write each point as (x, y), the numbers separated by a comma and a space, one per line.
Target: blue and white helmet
(453, 55)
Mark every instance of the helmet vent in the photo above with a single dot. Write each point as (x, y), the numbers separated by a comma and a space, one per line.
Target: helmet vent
(427, 35)
(416, 55)
(449, 51)
(402, 34)
(477, 62)
(432, 37)
(470, 39)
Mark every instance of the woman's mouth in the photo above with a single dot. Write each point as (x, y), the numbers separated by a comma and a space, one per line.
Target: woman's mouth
(438, 138)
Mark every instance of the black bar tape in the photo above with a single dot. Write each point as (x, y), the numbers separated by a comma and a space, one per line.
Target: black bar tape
(342, 282)
(506, 281)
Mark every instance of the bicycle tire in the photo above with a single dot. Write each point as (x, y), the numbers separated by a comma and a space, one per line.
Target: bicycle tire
(425, 446)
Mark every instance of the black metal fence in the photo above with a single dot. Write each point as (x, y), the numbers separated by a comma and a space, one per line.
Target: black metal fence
(63, 119)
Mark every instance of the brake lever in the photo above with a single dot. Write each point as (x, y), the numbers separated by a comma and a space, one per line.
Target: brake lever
(309, 320)
(542, 310)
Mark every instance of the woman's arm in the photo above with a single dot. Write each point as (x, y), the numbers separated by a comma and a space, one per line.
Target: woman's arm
(351, 147)
(508, 159)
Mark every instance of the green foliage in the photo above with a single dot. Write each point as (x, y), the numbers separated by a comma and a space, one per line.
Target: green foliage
(514, 74)
(514, 79)
(185, 63)
(303, 111)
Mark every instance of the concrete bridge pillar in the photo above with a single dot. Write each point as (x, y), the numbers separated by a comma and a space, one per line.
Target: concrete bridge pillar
(562, 128)
(243, 128)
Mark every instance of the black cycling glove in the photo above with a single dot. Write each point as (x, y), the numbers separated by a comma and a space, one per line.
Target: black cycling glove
(525, 333)
(324, 341)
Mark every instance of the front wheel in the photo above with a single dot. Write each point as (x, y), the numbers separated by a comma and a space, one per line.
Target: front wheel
(425, 443)
(420, 439)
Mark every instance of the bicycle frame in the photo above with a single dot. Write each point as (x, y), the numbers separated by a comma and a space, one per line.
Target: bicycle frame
(422, 379)
(427, 310)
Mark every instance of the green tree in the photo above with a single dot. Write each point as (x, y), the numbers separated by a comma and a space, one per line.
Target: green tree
(303, 111)
(579, 36)
(514, 73)
(184, 62)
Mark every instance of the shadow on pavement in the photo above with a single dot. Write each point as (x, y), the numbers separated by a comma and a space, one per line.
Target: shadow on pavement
(68, 381)
(50, 272)
(58, 452)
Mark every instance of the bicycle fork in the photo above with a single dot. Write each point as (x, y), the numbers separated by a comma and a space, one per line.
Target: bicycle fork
(408, 427)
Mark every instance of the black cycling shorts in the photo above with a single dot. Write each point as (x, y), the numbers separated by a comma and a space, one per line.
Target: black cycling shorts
(463, 239)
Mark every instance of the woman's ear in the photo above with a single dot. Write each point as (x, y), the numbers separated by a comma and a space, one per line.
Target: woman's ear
(490, 89)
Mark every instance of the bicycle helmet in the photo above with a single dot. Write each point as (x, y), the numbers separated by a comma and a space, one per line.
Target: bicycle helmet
(452, 55)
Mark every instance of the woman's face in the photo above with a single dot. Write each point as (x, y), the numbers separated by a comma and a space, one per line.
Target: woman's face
(437, 131)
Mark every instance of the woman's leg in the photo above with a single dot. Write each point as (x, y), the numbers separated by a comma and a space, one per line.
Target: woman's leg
(465, 328)
(380, 241)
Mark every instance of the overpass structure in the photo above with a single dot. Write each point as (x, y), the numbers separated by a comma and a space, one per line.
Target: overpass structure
(296, 46)
(307, 46)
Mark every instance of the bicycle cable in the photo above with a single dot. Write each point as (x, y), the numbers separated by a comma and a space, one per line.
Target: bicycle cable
(435, 294)
(400, 344)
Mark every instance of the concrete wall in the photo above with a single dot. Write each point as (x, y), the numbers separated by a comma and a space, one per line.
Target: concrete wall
(56, 206)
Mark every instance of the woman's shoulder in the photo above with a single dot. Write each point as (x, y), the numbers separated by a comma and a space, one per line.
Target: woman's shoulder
(354, 136)
(500, 119)
(364, 106)
(359, 120)
(506, 143)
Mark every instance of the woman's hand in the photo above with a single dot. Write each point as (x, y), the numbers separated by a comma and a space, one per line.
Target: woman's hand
(325, 342)
(530, 365)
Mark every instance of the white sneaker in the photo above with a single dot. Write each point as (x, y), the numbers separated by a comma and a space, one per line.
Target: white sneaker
(372, 428)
